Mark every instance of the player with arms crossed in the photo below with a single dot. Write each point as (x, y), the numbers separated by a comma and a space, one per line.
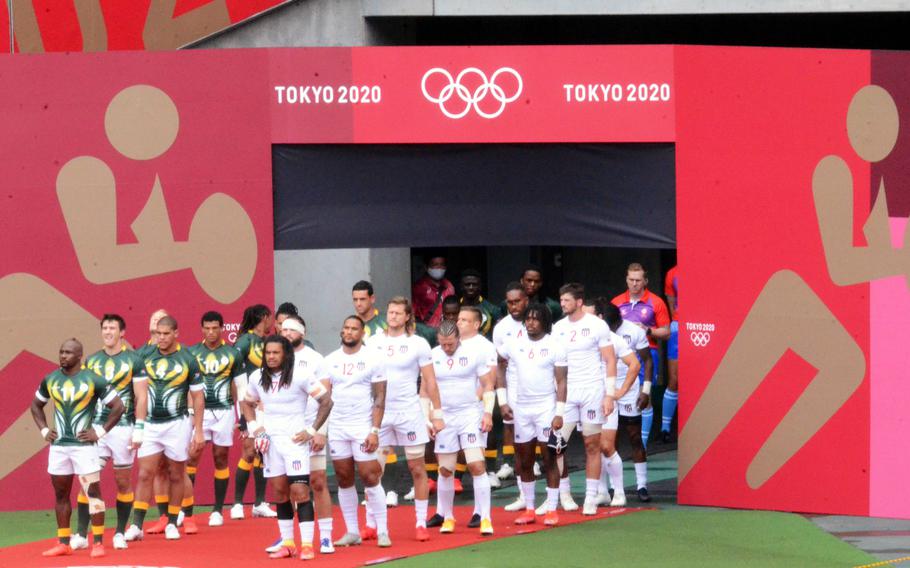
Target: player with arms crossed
(461, 372)
(163, 425)
(222, 371)
(76, 393)
(283, 436)
(359, 390)
(408, 420)
(589, 348)
(540, 367)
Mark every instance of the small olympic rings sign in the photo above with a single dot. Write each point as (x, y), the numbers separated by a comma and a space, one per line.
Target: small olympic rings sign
(700, 338)
(470, 88)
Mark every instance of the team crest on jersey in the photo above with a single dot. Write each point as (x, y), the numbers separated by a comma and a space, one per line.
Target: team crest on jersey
(363, 448)
(463, 361)
(296, 465)
(585, 332)
(546, 432)
(361, 365)
(412, 436)
(544, 352)
(592, 414)
(472, 437)
(628, 339)
(403, 349)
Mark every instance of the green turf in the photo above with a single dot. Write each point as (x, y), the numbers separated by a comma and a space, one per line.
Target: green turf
(666, 538)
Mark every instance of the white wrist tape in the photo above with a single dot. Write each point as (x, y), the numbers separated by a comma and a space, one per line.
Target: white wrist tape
(436, 414)
(611, 386)
(44, 432)
(502, 396)
(425, 405)
(310, 430)
(374, 430)
(560, 408)
(324, 428)
(646, 387)
(489, 401)
(99, 430)
(137, 435)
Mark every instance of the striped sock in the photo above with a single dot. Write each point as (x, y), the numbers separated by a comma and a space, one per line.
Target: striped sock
(241, 479)
(647, 419)
(82, 515)
(124, 506)
(222, 477)
(259, 481)
(161, 501)
(187, 506)
(98, 533)
(140, 508)
(669, 409)
(191, 472)
(63, 535)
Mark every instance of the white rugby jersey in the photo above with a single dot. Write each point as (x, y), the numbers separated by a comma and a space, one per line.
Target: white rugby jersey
(458, 376)
(309, 363)
(402, 357)
(582, 341)
(534, 363)
(484, 347)
(284, 409)
(507, 329)
(352, 376)
(627, 339)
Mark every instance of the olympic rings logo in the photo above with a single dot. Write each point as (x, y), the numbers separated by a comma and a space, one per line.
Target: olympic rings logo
(471, 99)
(700, 338)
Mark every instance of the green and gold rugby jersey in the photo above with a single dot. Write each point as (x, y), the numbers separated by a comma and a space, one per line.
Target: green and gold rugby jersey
(489, 315)
(75, 400)
(378, 323)
(250, 346)
(119, 371)
(220, 366)
(426, 332)
(170, 378)
(147, 348)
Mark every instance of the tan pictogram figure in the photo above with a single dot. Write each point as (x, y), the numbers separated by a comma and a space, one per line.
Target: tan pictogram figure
(788, 314)
(142, 123)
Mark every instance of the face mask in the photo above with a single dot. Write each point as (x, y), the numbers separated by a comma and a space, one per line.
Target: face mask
(436, 273)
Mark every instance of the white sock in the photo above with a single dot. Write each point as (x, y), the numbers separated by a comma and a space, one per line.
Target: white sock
(286, 529)
(552, 498)
(527, 489)
(376, 505)
(445, 495)
(482, 495)
(306, 532)
(614, 469)
(603, 488)
(565, 485)
(420, 509)
(591, 487)
(325, 528)
(347, 499)
(369, 518)
(641, 474)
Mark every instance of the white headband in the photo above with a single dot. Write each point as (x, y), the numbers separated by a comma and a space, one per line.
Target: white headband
(293, 325)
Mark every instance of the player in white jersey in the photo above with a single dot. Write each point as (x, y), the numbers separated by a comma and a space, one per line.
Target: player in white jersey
(306, 360)
(283, 436)
(590, 351)
(359, 391)
(541, 365)
(631, 401)
(508, 328)
(469, 321)
(408, 420)
(461, 373)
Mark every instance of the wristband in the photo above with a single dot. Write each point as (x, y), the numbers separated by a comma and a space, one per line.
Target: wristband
(502, 396)
(191, 411)
(646, 387)
(374, 430)
(252, 426)
(425, 406)
(137, 435)
(560, 408)
(99, 430)
(139, 425)
(436, 414)
(611, 386)
(310, 430)
(44, 432)
(489, 401)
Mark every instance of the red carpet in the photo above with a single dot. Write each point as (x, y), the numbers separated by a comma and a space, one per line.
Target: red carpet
(241, 543)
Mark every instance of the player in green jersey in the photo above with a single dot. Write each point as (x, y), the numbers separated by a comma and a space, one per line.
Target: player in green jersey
(471, 288)
(163, 427)
(222, 369)
(76, 393)
(256, 323)
(119, 366)
(365, 307)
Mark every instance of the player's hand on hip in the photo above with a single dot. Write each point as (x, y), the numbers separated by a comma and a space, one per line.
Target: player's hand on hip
(51, 436)
(87, 436)
(486, 423)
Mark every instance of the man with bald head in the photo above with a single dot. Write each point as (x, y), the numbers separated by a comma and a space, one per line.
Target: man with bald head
(75, 392)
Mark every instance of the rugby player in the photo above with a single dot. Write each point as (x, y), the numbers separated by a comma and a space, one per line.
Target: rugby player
(283, 436)
(532, 282)
(119, 366)
(365, 307)
(309, 363)
(359, 391)
(589, 348)
(256, 322)
(76, 393)
(163, 426)
(628, 339)
(671, 394)
(540, 369)
(461, 372)
(638, 305)
(222, 370)
(412, 408)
